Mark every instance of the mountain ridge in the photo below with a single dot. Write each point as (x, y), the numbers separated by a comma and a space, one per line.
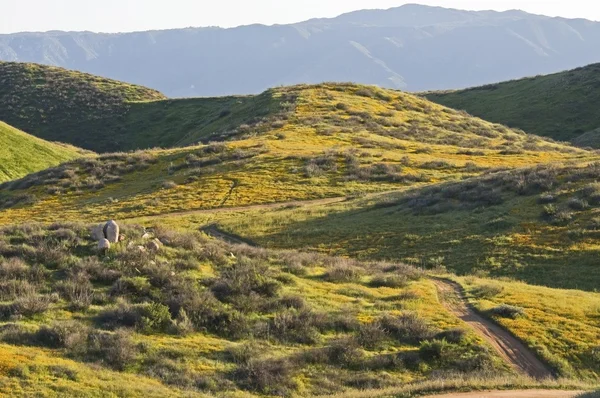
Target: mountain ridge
(195, 62)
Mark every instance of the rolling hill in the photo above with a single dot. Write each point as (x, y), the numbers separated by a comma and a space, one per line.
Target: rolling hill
(560, 106)
(66, 106)
(22, 154)
(409, 188)
(328, 140)
(412, 47)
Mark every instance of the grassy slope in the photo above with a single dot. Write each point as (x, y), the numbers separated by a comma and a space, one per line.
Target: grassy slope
(560, 106)
(60, 105)
(561, 325)
(22, 154)
(485, 225)
(337, 140)
(283, 304)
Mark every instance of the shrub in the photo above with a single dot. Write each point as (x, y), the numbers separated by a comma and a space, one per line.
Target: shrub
(112, 349)
(78, 290)
(507, 311)
(144, 317)
(268, 376)
(295, 326)
(546, 198)
(70, 335)
(30, 304)
(454, 336)
(344, 274)
(407, 328)
(370, 335)
(391, 281)
(577, 204)
(488, 291)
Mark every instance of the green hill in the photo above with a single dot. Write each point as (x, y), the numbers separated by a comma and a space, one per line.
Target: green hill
(22, 154)
(560, 106)
(333, 140)
(60, 105)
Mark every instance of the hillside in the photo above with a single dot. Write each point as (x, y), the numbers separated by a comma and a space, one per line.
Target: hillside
(328, 140)
(560, 106)
(410, 47)
(60, 105)
(538, 225)
(22, 154)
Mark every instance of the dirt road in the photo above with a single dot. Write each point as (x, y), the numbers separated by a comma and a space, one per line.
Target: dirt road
(512, 394)
(508, 347)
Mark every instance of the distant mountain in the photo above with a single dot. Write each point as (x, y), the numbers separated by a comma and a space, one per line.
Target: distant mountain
(411, 47)
(563, 106)
(21, 153)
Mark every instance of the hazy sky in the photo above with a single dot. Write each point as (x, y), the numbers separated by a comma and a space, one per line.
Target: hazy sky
(133, 15)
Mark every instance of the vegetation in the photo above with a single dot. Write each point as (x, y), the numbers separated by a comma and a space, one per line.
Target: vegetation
(561, 325)
(498, 224)
(560, 106)
(328, 144)
(67, 106)
(22, 154)
(203, 316)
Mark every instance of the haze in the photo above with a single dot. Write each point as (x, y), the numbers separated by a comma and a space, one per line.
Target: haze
(139, 15)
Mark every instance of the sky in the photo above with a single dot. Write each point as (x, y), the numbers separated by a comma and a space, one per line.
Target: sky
(138, 15)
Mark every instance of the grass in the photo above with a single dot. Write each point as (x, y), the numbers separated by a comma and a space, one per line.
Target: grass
(200, 316)
(22, 154)
(496, 225)
(561, 325)
(67, 106)
(559, 106)
(333, 140)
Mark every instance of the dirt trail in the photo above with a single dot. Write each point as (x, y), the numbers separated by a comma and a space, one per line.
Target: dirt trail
(512, 394)
(508, 347)
(278, 205)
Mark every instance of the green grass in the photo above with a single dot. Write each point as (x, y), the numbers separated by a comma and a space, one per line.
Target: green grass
(329, 140)
(203, 316)
(22, 154)
(496, 225)
(559, 106)
(67, 106)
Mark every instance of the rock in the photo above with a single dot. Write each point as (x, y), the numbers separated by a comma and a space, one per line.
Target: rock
(153, 245)
(97, 232)
(141, 249)
(111, 231)
(103, 245)
(146, 236)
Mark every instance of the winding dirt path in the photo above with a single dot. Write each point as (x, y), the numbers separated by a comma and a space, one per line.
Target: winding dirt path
(508, 347)
(512, 394)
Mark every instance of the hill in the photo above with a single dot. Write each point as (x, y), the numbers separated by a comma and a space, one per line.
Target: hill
(560, 106)
(410, 47)
(329, 140)
(60, 105)
(22, 154)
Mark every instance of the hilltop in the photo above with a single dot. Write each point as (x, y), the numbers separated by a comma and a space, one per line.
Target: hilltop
(328, 140)
(22, 154)
(413, 47)
(559, 106)
(60, 105)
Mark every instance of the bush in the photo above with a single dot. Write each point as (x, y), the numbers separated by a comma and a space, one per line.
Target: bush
(268, 376)
(488, 291)
(546, 198)
(391, 281)
(577, 204)
(454, 336)
(507, 311)
(407, 328)
(147, 318)
(295, 326)
(370, 335)
(344, 274)
(70, 335)
(115, 350)
(78, 291)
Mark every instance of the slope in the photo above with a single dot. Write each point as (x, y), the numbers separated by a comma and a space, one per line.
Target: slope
(60, 105)
(332, 140)
(22, 154)
(412, 47)
(560, 106)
